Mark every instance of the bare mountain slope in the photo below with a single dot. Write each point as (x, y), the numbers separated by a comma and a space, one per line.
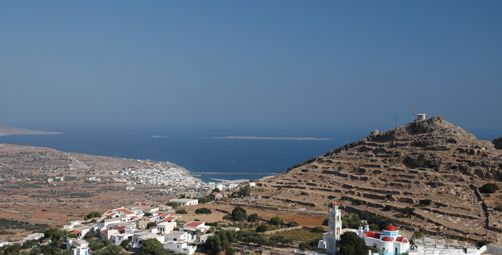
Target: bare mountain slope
(424, 175)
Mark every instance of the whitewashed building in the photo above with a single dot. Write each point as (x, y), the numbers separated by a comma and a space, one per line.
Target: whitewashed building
(185, 201)
(77, 246)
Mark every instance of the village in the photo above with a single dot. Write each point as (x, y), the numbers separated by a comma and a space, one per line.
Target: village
(168, 227)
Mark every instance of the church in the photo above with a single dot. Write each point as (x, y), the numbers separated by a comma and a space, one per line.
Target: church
(387, 242)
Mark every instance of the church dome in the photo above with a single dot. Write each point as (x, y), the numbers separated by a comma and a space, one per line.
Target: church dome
(391, 228)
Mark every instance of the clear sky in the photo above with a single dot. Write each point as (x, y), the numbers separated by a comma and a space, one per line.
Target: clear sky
(270, 64)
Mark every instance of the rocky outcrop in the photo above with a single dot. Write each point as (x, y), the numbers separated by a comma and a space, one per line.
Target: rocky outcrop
(424, 173)
(498, 143)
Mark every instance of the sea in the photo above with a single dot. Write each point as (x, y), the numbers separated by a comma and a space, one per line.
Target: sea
(210, 154)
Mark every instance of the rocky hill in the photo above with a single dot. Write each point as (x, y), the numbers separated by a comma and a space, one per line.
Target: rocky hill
(423, 175)
(498, 143)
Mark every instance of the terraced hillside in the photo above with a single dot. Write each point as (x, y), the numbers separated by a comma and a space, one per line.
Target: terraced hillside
(424, 175)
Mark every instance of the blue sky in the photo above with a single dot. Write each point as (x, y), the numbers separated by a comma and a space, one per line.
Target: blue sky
(268, 64)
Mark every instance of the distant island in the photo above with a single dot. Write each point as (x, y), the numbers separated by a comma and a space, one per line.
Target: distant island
(7, 131)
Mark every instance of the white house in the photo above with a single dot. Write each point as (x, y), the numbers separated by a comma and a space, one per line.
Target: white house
(80, 232)
(77, 246)
(119, 237)
(121, 212)
(165, 227)
(140, 237)
(177, 236)
(180, 247)
(185, 201)
(194, 226)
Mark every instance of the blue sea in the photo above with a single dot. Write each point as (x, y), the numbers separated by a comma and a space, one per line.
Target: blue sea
(208, 153)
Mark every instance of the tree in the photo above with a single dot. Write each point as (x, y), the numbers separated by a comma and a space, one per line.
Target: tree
(351, 221)
(351, 244)
(276, 220)
(239, 214)
(152, 247)
(244, 191)
(261, 228)
(489, 188)
(202, 210)
(151, 225)
(125, 243)
(220, 241)
(253, 218)
(92, 215)
(172, 204)
(56, 236)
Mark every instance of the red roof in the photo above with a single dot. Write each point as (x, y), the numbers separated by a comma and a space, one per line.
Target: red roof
(193, 224)
(126, 211)
(372, 234)
(75, 232)
(401, 239)
(164, 214)
(387, 239)
(391, 228)
(168, 219)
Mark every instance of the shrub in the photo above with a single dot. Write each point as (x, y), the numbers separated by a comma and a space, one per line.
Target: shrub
(489, 188)
(109, 250)
(276, 220)
(408, 211)
(172, 204)
(254, 217)
(292, 224)
(250, 237)
(92, 215)
(202, 211)
(262, 228)
(425, 202)
(482, 243)
(277, 239)
(181, 211)
(318, 229)
(239, 214)
(499, 208)
(204, 200)
(125, 243)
